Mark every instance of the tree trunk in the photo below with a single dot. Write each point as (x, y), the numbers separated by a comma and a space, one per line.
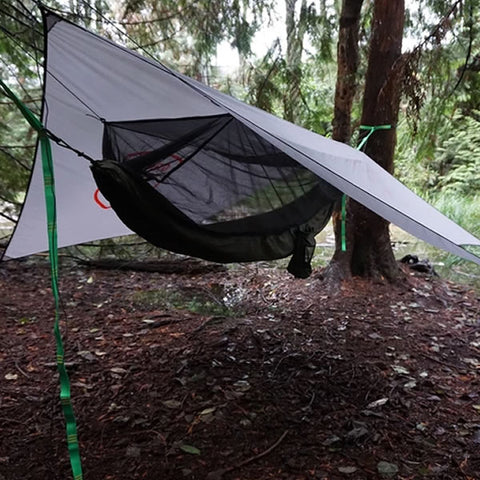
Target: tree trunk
(369, 252)
(347, 66)
(345, 90)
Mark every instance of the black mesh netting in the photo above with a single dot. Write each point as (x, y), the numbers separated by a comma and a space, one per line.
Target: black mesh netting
(220, 183)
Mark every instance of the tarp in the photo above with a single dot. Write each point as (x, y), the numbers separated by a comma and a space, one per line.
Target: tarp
(89, 80)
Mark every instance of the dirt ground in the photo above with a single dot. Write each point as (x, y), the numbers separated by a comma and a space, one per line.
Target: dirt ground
(243, 373)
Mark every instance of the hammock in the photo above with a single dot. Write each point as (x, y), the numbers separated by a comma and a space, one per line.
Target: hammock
(210, 187)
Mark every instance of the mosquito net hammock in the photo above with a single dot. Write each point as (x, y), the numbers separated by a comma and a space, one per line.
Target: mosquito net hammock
(212, 188)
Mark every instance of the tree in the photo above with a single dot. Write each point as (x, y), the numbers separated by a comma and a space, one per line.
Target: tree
(369, 251)
(345, 90)
(296, 30)
(188, 32)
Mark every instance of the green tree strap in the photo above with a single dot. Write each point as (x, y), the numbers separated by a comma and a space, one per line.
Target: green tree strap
(49, 183)
(344, 223)
(371, 128)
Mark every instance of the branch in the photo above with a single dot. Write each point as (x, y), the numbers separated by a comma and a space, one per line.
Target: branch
(11, 219)
(31, 100)
(17, 146)
(437, 27)
(220, 473)
(6, 200)
(469, 51)
(158, 19)
(15, 159)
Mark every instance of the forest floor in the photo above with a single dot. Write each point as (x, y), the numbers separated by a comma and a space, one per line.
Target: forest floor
(243, 373)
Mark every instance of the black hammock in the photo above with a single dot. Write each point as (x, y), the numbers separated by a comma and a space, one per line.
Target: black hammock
(212, 188)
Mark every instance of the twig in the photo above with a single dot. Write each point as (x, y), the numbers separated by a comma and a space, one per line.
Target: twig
(260, 455)
(207, 322)
(20, 370)
(219, 473)
(440, 362)
(164, 322)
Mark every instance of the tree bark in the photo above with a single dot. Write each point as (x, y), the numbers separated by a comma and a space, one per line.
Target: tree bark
(345, 91)
(369, 252)
(347, 66)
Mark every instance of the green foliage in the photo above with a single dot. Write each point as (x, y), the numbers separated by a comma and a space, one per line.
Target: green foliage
(189, 32)
(458, 162)
(20, 48)
(462, 209)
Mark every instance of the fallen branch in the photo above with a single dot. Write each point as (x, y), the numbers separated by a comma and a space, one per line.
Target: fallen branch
(190, 267)
(217, 475)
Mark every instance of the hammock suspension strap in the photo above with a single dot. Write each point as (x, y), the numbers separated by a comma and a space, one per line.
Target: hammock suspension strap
(49, 183)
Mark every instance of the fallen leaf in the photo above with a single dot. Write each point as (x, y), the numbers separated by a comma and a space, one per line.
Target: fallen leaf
(86, 355)
(172, 403)
(387, 470)
(242, 385)
(378, 403)
(331, 441)
(208, 411)
(356, 434)
(347, 469)
(190, 449)
(118, 370)
(400, 370)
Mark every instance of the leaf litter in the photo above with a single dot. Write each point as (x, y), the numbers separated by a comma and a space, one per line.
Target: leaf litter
(374, 382)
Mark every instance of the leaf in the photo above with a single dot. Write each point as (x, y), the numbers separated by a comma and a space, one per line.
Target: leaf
(356, 434)
(331, 441)
(400, 370)
(471, 361)
(208, 411)
(172, 403)
(86, 355)
(411, 384)
(347, 469)
(378, 403)
(190, 449)
(387, 470)
(242, 385)
(118, 370)
(11, 376)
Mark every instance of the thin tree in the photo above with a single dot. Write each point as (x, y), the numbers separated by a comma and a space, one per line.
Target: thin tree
(296, 31)
(345, 90)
